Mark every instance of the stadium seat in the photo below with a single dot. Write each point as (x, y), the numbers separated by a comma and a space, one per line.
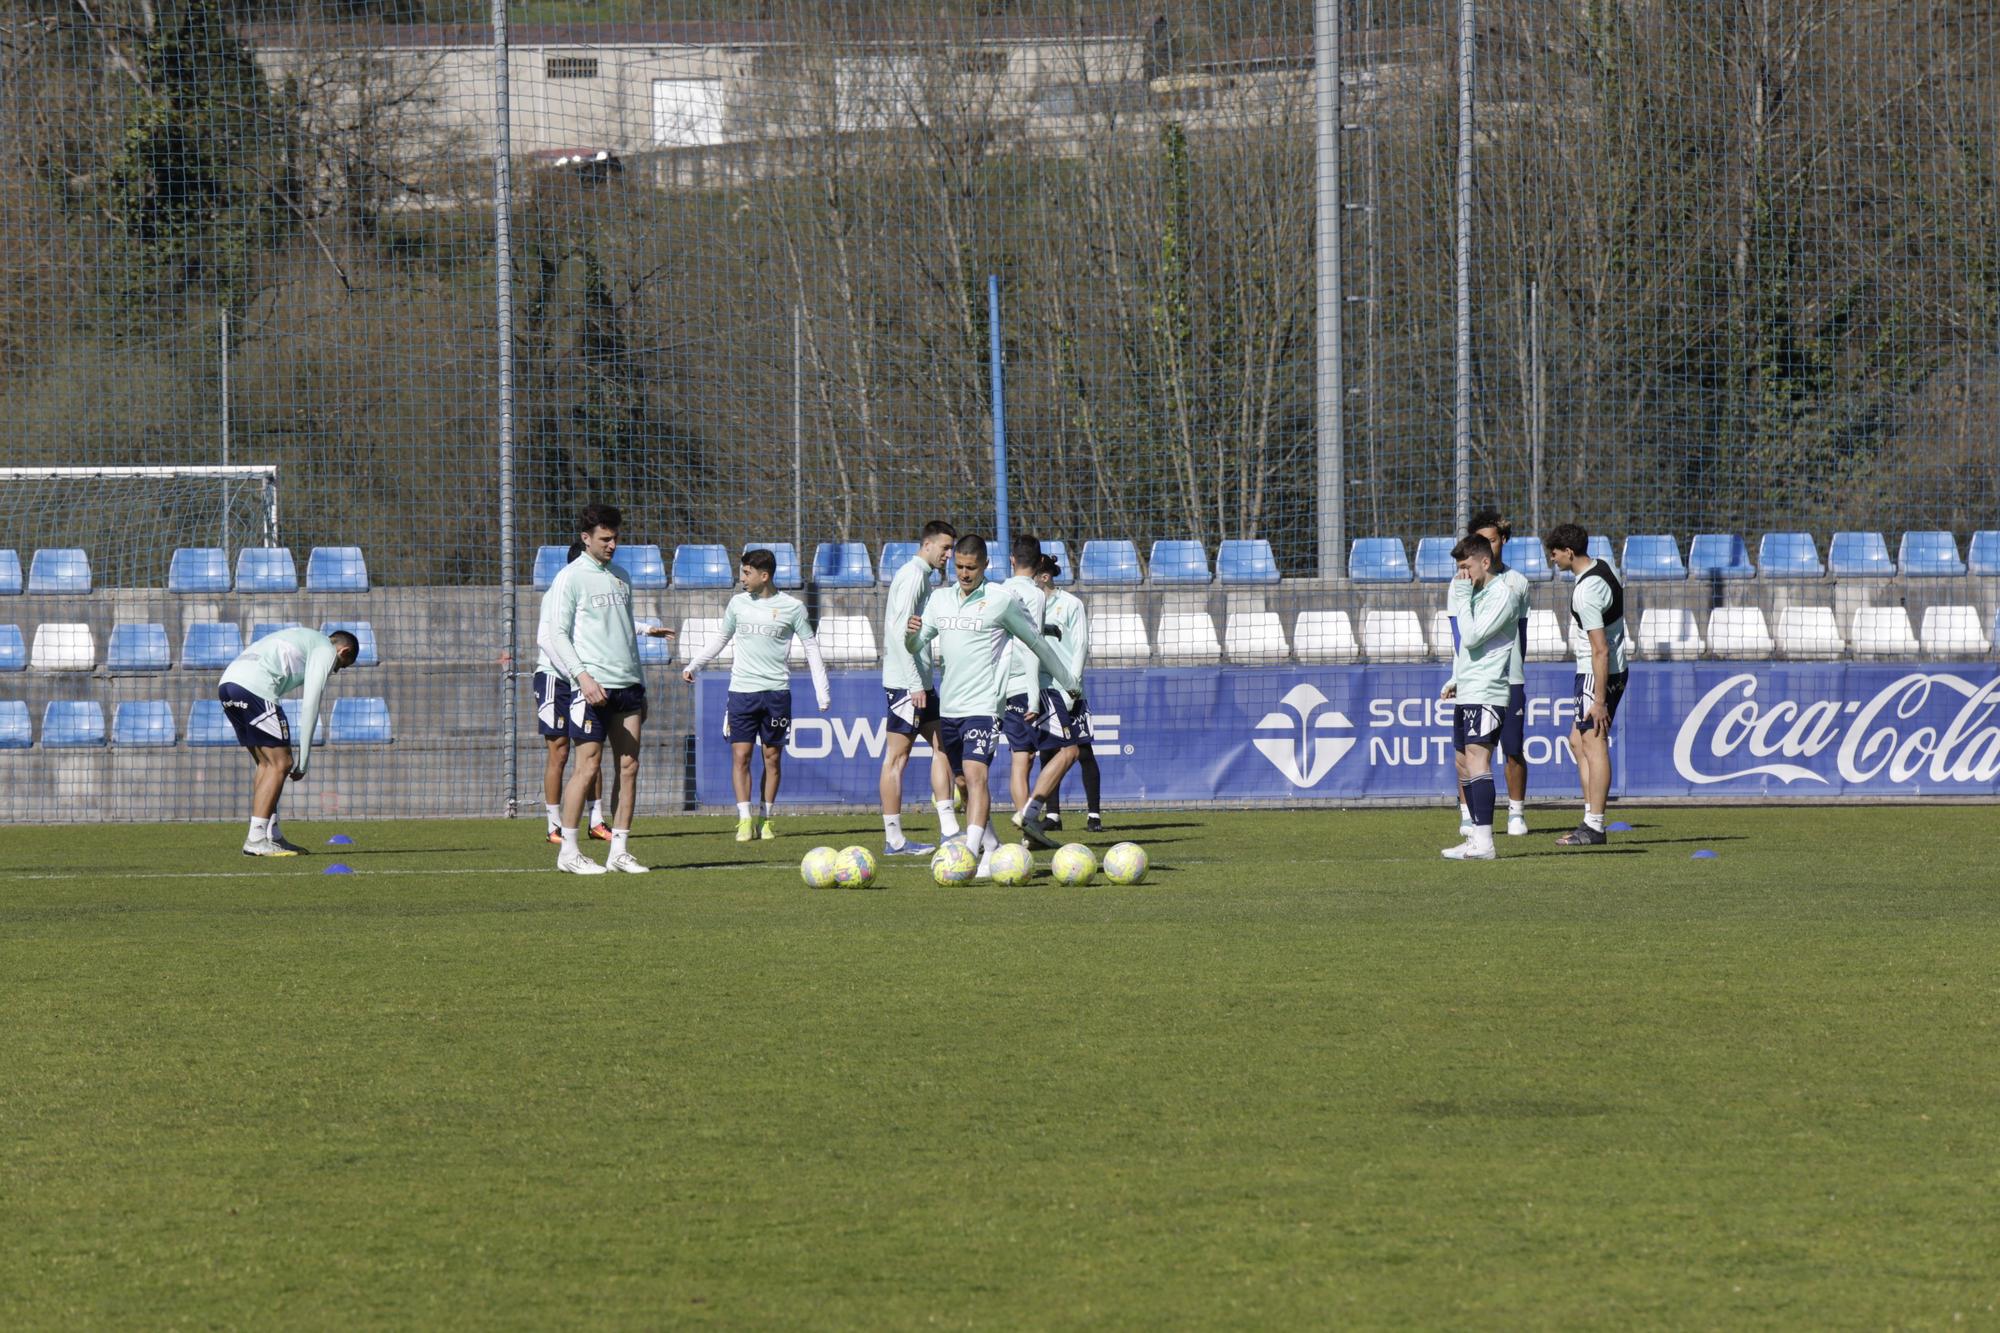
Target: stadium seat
(10, 574)
(894, 556)
(1109, 562)
(266, 569)
(290, 707)
(1065, 574)
(1545, 637)
(1669, 634)
(1178, 562)
(652, 651)
(795, 653)
(847, 641)
(15, 731)
(695, 633)
(138, 648)
(1883, 631)
(1860, 555)
(1929, 555)
(1252, 637)
(1246, 560)
(265, 628)
(63, 647)
(210, 645)
(1789, 555)
(143, 722)
(72, 724)
(1526, 554)
(13, 649)
(198, 569)
(1117, 637)
(1720, 555)
(1809, 633)
(359, 721)
(788, 563)
(1953, 631)
(1434, 562)
(703, 567)
(336, 569)
(1378, 560)
(207, 724)
(1444, 636)
(1597, 548)
(1187, 638)
(1652, 559)
(644, 568)
(549, 561)
(365, 634)
(1393, 636)
(842, 565)
(1982, 558)
(1739, 631)
(59, 570)
(1324, 636)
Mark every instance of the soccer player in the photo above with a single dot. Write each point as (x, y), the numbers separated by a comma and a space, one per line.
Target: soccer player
(267, 671)
(1489, 523)
(587, 634)
(1478, 684)
(1064, 730)
(763, 621)
(552, 694)
(1021, 724)
(913, 705)
(972, 620)
(1597, 605)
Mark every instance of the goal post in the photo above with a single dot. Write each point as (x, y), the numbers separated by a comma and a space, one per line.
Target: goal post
(132, 519)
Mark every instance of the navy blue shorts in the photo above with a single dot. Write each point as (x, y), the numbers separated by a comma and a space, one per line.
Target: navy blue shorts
(906, 719)
(1061, 725)
(1514, 723)
(968, 740)
(592, 722)
(1022, 734)
(758, 715)
(551, 704)
(259, 723)
(1476, 724)
(1586, 693)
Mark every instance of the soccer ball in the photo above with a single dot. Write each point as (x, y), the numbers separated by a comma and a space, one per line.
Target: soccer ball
(1012, 864)
(1125, 863)
(817, 868)
(1073, 864)
(854, 868)
(953, 863)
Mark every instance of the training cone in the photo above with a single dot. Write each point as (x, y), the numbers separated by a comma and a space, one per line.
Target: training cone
(340, 840)
(342, 868)
(1620, 827)
(1703, 855)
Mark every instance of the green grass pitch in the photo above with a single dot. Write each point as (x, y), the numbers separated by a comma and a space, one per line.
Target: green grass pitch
(1309, 1074)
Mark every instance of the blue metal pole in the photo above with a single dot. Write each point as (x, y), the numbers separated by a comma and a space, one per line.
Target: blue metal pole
(999, 418)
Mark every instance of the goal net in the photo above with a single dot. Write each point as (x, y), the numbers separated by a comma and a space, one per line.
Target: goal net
(130, 520)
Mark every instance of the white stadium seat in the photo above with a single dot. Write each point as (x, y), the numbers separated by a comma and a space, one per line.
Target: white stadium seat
(695, 634)
(1669, 634)
(1255, 636)
(1884, 631)
(1325, 636)
(847, 641)
(1954, 631)
(1545, 637)
(1443, 644)
(1119, 637)
(1393, 636)
(1739, 631)
(1188, 637)
(63, 648)
(1809, 632)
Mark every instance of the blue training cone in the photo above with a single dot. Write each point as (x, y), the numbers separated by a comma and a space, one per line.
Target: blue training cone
(342, 868)
(1620, 826)
(1703, 855)
(340, 840)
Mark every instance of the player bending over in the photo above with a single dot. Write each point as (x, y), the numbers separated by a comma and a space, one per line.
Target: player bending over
(763, 621)
(913, 704)
(1478, 683)
(250, 689)
(587, 634)
(972, 620)
(1597, 605)
(1496, 530)
(1063, 730)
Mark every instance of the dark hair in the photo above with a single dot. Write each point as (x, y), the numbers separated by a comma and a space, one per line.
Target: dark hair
(1046, 564)
(340, 638)
(575, 550)
(759, 558)
(971, 544)
(1489, 518)
(595, 516)
(1568, 537)
(1471, 545)
(1025, 550)
(937, 527)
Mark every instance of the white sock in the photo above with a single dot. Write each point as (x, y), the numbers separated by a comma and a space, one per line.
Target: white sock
(618, 836)
(892, 830)
(555, 817)
(569, 842)
(1464, 813)
(1594, 820)
(770, 809)
(260, 829)
(596, 813)
(1516, 808)
(743, 809)
(947, 818)
(1482, 837)
(975, 838)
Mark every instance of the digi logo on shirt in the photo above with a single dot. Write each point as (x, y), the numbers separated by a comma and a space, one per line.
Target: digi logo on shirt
(962, 622)
(604, 599)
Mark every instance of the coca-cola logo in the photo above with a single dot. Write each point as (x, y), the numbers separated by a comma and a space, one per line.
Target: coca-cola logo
(1898, 735)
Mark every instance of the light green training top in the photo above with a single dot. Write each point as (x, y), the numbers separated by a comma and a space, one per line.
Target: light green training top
(909, 593)
(763, 628)
(1517, 673)
(1591, 599)
(973, 629)
(1488, 640)
(587, 624)
(1025, 676)
(1065, 624)
(281, 662)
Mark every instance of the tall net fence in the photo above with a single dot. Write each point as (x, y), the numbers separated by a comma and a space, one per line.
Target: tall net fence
(1306, 275)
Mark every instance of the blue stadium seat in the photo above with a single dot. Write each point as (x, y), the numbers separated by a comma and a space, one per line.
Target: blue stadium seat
(1860, 555)
(72, 724)
(1789, 555)
(199, 569)
(336, 569)
(360, 721)
(788, 563)
(137, 648)
(1379, 560)
(1982, 558)
(1114, 562)
(207, 724)
(843, 565)
(1434, 562)
(703, 567)
(894, 556)
(1529, 556)
(652, 651)
(290, 708)
(1930, 555)
(59, 570)
(143, 722)
(999, 565)
(1597, 548)
(1720, 555)
(363, 632)
(1246, 560)
(13, 649)
(10, 574)
(1177, 562)
(266, 569)
(15, 731)
(1065, 574)
(549, 561)
(644, 569)
(264, 628)
(1652, 559)
(210, 645)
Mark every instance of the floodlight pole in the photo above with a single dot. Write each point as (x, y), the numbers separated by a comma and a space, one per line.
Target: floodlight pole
(503, 318)
(1329, 387)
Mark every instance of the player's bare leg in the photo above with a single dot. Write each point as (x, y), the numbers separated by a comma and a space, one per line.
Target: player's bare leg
(739, 779)
(624, 736)
(942, 790)
(587, 754)
(1479, 796)
(774, 769)
(1053, 768)
(1593, 769)
(978, 809)
(274, 765)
